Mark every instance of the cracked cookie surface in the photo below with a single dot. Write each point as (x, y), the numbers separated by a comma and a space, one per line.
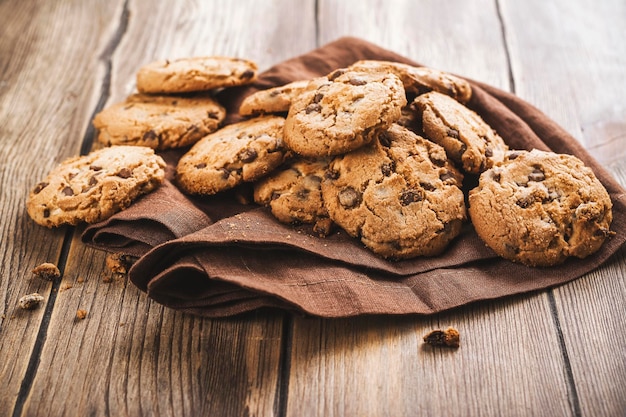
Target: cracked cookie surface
(294, 194)
(400, 195)
(244, 151)
(190, 74)
(538, 208)
(93, 187)
(159, 122)
(342, 112)
(420, 80)
(467, 139)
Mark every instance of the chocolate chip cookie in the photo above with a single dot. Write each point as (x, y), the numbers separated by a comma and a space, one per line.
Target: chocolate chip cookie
(93, 187)
(159, 122)
(467, 139)
(342, 112)
(419, 80)
(194, 74)
(294, 194)
(244, 151)
(400, 195)
(272, 100)
(539, 208)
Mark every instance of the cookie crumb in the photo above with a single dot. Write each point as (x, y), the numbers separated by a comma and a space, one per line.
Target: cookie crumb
(443, 338)
(47, 271)
(30, 301)
(119, 263)
(81, 314)
(80, 280)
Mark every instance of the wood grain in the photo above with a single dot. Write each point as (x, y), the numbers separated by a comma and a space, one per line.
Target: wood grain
(44, 106)
(131, 356)
(582, 91)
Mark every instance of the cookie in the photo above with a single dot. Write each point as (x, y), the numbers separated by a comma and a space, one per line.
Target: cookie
(539, 208)
(194, 74)
(342, 112)
(272, 100)
(419, 80)
(467, 139)
(294, 194)
(159, 122)
(93, 187)
(400, 195)
(244, 151)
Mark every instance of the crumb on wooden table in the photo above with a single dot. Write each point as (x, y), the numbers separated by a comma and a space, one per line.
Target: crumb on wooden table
(47, 271)
(119, 263)
(81, 314)
(30, 301)
(443, 338)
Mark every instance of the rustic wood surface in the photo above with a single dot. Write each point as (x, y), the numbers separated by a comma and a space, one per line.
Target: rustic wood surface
(555, 352)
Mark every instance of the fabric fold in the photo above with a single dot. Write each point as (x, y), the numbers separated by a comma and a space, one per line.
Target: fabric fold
(219, 256)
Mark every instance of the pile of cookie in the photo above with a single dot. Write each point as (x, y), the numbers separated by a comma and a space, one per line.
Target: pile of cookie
(379, 149)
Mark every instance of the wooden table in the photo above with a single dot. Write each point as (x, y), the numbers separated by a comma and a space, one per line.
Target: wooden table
(559, 352)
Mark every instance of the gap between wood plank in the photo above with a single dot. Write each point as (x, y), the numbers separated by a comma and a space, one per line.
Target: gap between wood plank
(569, 374)
(506, 48)
(86, 144)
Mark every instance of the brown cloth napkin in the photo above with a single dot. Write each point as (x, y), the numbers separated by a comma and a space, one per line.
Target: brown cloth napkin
(215, 257)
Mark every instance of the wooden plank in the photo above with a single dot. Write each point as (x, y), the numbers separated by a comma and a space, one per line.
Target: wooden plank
(583, 91)
(43, 110)
(131, 356)
(510, 361)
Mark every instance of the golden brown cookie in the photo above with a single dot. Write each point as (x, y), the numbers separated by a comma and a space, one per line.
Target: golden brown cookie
(539, 208)
(185, 75)
(294, 194)
(342, 112)
(467, 139)
(159, 122)
(272, 100)
(93, 187)
(399, 195)
(244, 151)
(419, 80)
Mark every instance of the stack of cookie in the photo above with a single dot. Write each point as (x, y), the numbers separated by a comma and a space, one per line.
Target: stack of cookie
(174, 108)
(379, 149)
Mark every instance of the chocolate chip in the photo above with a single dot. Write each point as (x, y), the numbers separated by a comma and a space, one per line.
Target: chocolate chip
(387, 168)
(461, 150)
(46, 212)
(317, 98)
(357, 81)
(384, 139)
(331, 175)
(95, 168)
(275, 196)
(150, 135)
(213, 115)
(437, 160)
(410, 196)
(512, 155)
(40, 187)
(496, 176)
(124, 173)
(349, 197)
(302, 194)
(513, 250)
(313, 107)
(93, 180)
(67, 191)
(488, 152)
(337, 73)
(247, 74)
(453, 133)
(537, 175)
(200, 165)
(445, 176)
(248, 155)
(525, 202)
(427, 186)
